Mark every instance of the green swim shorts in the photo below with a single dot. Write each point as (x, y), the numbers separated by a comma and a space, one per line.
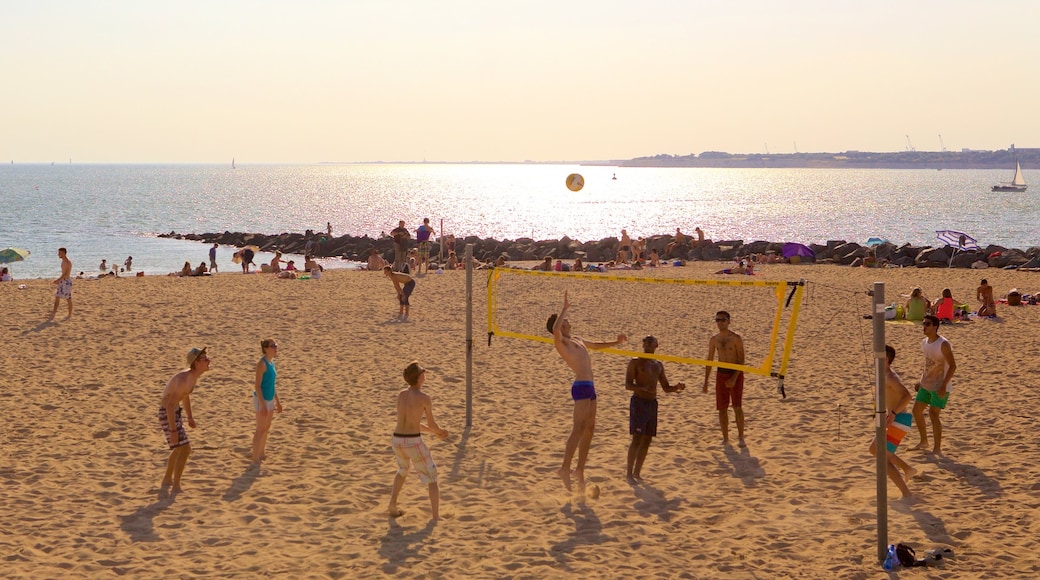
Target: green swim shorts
(932, 398)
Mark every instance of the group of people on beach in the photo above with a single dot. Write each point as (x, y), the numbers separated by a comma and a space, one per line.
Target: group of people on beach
(946, 309)
(932, 393)
(175, 406)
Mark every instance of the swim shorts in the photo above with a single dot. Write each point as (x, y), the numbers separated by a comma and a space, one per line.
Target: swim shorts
(897, 430)
(932, 398)
(583, 390)
(182, 435)
(267, 403)
(725, 396)
(64, 289)
(406, 292)
(411, 452)
(424, 249)
(642, 416)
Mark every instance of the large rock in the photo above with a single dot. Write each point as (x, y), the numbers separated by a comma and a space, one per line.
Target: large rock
(932, 258)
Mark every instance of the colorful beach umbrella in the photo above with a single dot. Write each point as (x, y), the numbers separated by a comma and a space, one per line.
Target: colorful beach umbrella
(958, 240)
(8, 255)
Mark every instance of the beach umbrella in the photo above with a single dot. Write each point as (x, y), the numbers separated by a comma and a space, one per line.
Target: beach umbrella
(8, 255)
(958, 240)
(792, 249)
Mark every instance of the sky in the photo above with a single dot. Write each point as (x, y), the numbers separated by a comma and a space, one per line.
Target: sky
(311, 81)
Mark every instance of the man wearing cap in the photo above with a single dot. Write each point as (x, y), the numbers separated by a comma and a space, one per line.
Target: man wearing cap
(174, 396)
(574, 351)
(641, 378)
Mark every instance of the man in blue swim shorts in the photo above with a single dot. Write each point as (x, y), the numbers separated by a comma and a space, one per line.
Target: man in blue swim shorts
(575, 353)
(642, 377)
(404, 285)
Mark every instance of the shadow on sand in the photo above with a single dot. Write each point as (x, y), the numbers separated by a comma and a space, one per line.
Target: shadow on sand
(743, 465)
(399, 548)
(242, 483)
(139, 525)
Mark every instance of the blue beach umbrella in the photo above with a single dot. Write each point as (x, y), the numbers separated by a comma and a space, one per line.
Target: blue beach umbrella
(876, 241)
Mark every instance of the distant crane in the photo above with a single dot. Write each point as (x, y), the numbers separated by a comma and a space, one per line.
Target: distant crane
(942, 148)
(909, 145)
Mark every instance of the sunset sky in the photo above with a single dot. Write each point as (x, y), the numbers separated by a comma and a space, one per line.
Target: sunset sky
(366, 80)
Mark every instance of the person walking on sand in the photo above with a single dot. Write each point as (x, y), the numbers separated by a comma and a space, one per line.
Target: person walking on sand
(897, 424)
(641, 378)
(175, 397)
(64, 283)
(409, 449)
(984, 294)
(729, 383)
(574, 351)
(265, 398)
(934, 389)
(213, 258)
(404, 285)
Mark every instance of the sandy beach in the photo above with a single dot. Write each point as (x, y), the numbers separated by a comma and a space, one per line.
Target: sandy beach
(82, 453)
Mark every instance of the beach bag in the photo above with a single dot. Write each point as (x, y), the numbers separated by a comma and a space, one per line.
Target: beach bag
(907, 557)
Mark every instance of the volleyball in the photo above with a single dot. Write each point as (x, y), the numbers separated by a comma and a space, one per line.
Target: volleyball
(575, 182)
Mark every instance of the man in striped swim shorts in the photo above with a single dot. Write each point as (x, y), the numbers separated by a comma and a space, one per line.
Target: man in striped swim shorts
(176, 394)
(897, 424)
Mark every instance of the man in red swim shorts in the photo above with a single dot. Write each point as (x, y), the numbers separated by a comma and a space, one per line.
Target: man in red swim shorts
(729, 383)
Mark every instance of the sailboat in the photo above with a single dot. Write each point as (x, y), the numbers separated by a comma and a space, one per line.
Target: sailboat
(1018, 184)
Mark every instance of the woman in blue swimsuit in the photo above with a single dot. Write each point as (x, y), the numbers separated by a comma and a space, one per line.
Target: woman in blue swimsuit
(265, 400)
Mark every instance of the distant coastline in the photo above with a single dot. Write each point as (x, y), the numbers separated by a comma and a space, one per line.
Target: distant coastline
(938, 160)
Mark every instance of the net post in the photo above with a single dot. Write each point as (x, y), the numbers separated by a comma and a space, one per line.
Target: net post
(880, 413)
(469, 335)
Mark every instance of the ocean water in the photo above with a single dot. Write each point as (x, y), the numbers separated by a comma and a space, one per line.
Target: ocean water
(112, 211)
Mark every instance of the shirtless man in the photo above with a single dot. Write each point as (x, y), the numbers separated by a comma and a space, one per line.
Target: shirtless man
(641, 378)
(409, 449)
(175, 394)
(729, 383)
(574, 351)
(934, 389)
(624, 247)
(984, 294)
(64, 283)
(404, 284)
(897, 424)
(677, 243)
(375, 261)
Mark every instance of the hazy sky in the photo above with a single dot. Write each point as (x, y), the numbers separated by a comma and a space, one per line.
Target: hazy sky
(451, 80)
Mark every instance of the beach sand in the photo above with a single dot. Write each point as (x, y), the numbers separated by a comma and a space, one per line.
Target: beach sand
(82, 454)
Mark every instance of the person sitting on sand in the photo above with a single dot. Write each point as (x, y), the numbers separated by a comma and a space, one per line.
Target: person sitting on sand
(290, 266)
(578, 266)
(309, 265)
(984, 294)
(500, 262)
(276, 262)
(375, 261)
(409, 449)
(655, 258)
(546, 265)
(740, 268)
(186, 270)
(945, 307)
(452, 263)
(5, 276)
(917, 306)
(201, 270)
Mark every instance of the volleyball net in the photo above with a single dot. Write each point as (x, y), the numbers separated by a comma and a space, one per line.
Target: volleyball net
(678, 312)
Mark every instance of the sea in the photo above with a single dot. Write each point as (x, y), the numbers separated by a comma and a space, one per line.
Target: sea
(114, 211)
